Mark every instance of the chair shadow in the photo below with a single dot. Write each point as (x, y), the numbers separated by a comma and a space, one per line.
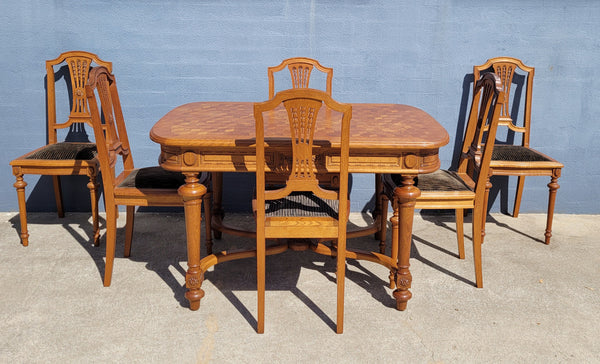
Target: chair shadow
(81, 219)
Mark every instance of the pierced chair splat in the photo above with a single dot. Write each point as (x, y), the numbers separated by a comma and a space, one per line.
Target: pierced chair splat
(302, 208)
(511, 159)
(462, 189)
(131, 187)
(69, 157)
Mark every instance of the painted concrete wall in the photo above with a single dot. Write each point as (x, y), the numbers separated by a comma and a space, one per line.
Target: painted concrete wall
(166, 53)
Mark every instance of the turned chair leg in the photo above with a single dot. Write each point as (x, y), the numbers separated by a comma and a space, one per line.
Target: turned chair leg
(553, 187)
(20, 185)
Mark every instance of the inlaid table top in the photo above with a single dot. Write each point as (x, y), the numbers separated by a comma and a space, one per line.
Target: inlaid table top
(373, 126)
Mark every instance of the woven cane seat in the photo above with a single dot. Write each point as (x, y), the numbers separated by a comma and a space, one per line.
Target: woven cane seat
(440, 180)
(302, 204)
(65, 151)
(156, 178)
(517, 153)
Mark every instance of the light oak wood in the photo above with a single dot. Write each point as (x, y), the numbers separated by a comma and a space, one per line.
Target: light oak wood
(129, 186)
(63, 158)
(464, 189)
(521, 160)
(300, 70)
(219, 137)
(303, 106)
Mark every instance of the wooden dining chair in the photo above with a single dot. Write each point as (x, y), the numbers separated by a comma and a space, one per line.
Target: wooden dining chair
(300, 70)
(465, 188)
(76, 155)
(131, 187)
(302, 208)
(521, 159)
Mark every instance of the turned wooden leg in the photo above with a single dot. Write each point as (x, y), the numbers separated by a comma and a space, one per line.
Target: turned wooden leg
(192, 193)
(93, 186)
(58, 196)
(518, 195)
(20, 186)
(552, 186)
(406, 196)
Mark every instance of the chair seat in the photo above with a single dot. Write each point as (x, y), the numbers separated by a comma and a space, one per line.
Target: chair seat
(65, 151)
(517, 153)
(156, 178)
(302, 204)
(440, 180)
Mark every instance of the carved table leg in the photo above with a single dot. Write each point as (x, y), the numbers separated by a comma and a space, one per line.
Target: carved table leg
(553, 186)
(406, 197)
(20, 186)
(192, 193)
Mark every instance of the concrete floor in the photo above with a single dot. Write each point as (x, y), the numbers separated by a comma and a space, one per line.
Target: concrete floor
(539, 303)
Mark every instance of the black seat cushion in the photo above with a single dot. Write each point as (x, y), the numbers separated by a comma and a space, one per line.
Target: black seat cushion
(516, 153)
(153, 177)
(440, 180)
(302, 204)
(64, 151)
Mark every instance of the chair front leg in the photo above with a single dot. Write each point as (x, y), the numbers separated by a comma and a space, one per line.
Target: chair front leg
(553, 186)
(20, 185)
(460, 232)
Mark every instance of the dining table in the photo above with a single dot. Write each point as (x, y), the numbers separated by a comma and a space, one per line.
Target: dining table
(218, 137)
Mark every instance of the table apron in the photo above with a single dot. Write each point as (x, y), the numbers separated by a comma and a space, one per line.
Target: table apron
(243, 159)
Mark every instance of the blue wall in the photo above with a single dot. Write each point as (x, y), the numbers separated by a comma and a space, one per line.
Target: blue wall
(166, 53)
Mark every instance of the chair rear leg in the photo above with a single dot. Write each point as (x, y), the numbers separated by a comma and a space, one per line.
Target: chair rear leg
(260, 281)
(518, 195)
(129, 222)
(20, 185)
(460, 232)
(477, 238)
(58, 196)
(341, 277)
(111, 238)
(94, 197)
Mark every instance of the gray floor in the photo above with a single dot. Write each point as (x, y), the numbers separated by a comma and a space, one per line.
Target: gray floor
(539, 303)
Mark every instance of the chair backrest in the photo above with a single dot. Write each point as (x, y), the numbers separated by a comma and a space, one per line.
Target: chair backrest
(300, 69)
(480, 134)
(506, 68)
(112, 142)
(79, 64)
(302, 106)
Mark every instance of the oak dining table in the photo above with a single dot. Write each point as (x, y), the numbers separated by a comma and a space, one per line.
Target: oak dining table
(218, 137)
